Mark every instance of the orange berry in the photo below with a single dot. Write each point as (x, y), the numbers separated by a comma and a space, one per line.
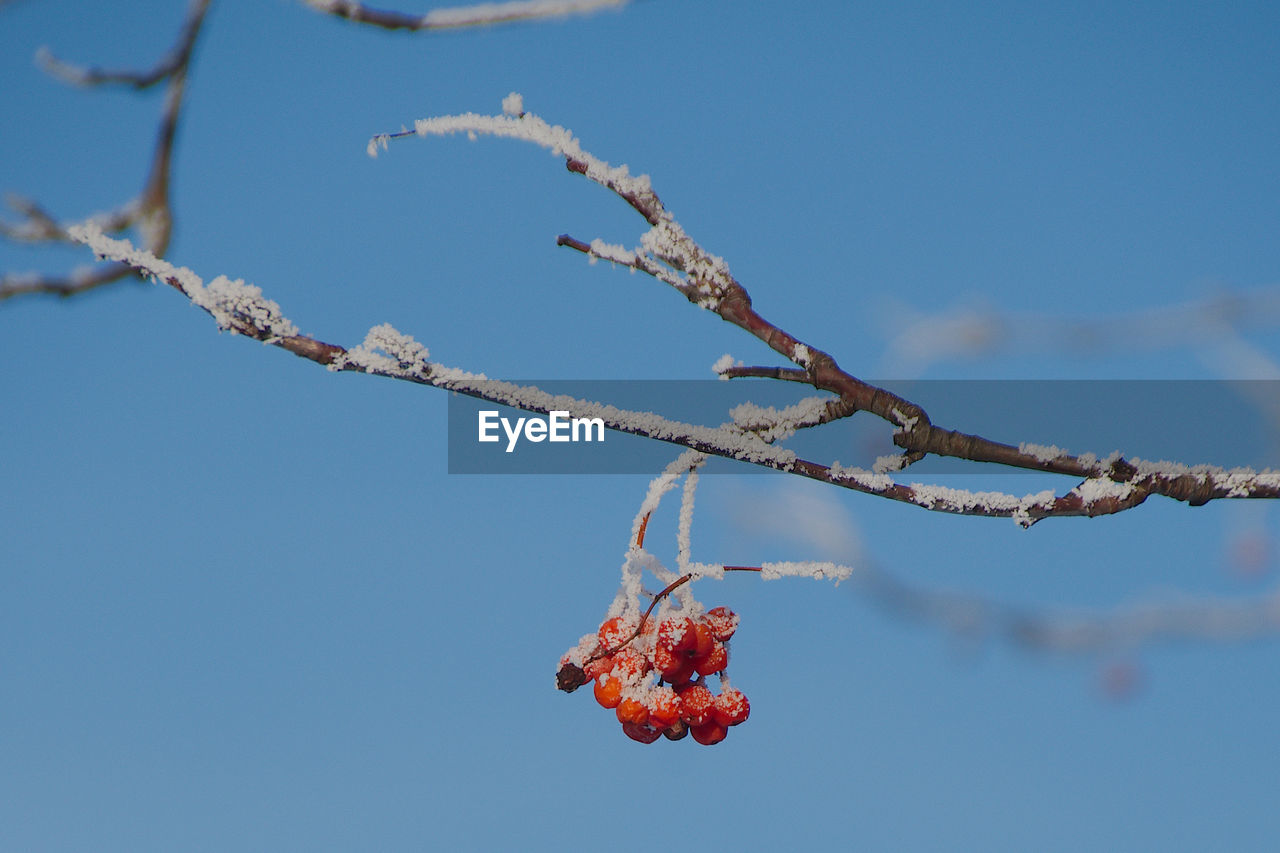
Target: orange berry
(695, 704)
(704, 642)
(608, 690)
(644, 734)
(709, 733)
(632, 711)
(716, 661)
(598, 667)
(630, 665)
(614, 632)
(722, 621)
(664, 708)
(730, 708)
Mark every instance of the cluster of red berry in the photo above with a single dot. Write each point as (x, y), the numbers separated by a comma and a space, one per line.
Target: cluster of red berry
(625, 655)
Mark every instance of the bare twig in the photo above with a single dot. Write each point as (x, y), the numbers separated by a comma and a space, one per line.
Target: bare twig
(151, 211)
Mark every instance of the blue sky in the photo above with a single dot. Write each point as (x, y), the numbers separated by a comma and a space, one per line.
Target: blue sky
(245, 606)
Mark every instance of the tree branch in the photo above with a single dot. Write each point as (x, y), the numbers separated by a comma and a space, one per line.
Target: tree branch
(151, 211)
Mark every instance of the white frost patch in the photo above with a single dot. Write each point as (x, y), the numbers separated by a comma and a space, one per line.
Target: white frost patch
(723, 363)
(684, 543)
(611, 252)
(233, 304)
(905, 422)
(1100, 488)
(701, 276)
(388, 351)
(531, 128)
(868, 480)
(1044, 453)
(513, 104)
(805, 569)
(806, 412)
(480, 14)
(801, 355)
(888, 464)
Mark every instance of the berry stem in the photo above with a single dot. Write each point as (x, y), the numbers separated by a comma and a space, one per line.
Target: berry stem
(671, 587)
(644, 522)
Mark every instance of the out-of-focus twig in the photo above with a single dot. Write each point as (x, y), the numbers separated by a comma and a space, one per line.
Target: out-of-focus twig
(968, 332)
(150, 212)
(455, 17)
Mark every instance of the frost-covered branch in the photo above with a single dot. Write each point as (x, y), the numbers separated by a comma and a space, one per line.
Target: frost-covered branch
(150, 212)
(666, 251)
(242, 309)
(454, 17)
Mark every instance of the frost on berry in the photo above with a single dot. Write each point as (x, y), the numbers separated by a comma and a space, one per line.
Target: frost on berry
(616, 631)
(631, 665)
(695, 704)
(722, 621)
(730, 707)
(679, 635)
(664, 707)
(598, 667)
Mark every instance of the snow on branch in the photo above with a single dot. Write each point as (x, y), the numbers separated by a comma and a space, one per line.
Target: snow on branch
(702, 277)
(454, 17)
(1110, 485)
(705, 279)
(234, 305)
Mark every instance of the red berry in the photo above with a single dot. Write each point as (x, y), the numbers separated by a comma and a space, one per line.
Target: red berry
(730, 708)
(704, 641)
(679, 675)
(716, 661)
(695, 704)
(644, 734)
(722, 621)
(608, 690)
(709, 733)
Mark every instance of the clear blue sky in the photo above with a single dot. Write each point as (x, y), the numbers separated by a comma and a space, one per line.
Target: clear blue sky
(244, 607)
